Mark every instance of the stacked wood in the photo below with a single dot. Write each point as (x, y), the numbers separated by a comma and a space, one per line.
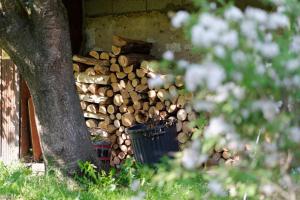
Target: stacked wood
(114, 93)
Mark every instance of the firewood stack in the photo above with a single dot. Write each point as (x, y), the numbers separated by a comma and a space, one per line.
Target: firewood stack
(115, 94)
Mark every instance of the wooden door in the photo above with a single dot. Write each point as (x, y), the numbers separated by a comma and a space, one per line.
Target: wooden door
(9, 110)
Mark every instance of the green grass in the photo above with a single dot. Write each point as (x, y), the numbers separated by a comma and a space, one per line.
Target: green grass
(19, 183)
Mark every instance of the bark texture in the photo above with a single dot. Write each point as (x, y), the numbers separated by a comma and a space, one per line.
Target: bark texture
(36, 36)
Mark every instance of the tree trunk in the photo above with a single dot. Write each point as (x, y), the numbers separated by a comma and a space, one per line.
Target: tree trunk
(64, 137)
(39, 44)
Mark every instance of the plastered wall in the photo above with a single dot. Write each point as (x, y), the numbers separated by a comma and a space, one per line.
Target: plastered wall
(149, 23)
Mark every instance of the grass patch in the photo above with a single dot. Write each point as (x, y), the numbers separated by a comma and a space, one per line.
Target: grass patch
(20, 183)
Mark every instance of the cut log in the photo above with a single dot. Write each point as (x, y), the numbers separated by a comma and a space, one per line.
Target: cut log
(93, 88)
(140, 73)
(181, 115)
(182, 137)
(141, 116)
(141, 88)
(94, 116)
(91, 123)
(93, 98)
(128, 69)
(102, 110)
(102, 91)
(171, 108)
(90, 61)
(144, 80)
(90, 71)
(94, 54)
(118, 100)
(181, 101)
(92, 108)
(117, 123)
(122, 41)
(115, 68)
(162, 94)
(98, 79)
(113, 78)
(132, 59)
(132, 48)
(116, 87)
(121, 75)
(131, 75)
(122, 155)
(127, 143)
(101, 70)
(127, 120)
(104, 56)
(82, 87)
(109, 93)
(179, 81)
(111, 109)
(113, 60)
(83, 105)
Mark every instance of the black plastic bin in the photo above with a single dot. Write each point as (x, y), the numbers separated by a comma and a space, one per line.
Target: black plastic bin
(152, 141)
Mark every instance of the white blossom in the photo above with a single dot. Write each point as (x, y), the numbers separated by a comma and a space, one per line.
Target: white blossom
(208, 73)
(204, 106)
(212, 22)
(134, 186)
(295, 44)
(168, 55)
(268, 49)
(295, 134)
(238, 57)
(203, 38)
(155, 82)
(268, 189)
(192, 158)
(248, 29)
(233, 14)
(269, 108)
(183, 64)
(257, 14)
(230, 39)
(216, 188)
(217, 126)
(292, 65)
(180, 18)
(219, 51)
(278, 20)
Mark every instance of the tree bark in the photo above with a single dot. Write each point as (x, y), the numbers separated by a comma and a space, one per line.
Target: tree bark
(39, 44)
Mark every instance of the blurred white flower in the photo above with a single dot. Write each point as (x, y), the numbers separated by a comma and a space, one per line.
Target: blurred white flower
(217, 126)
(183, 64)
(203, 38)
(208, 73)
(268, 189)
(155, 82)
(268, 49)
(292, 65)
(180, 18)
(248, 29)
(278, 20)
(230, 39)
(256, 14)
(219, 51)
(269, 108)
(295, 44)
(192, 158)
(295, 134)
(134, 186)
(216, 188)
(211, 22)
(233, 14)
(204, 106)
(238, 57)
(168, 55)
